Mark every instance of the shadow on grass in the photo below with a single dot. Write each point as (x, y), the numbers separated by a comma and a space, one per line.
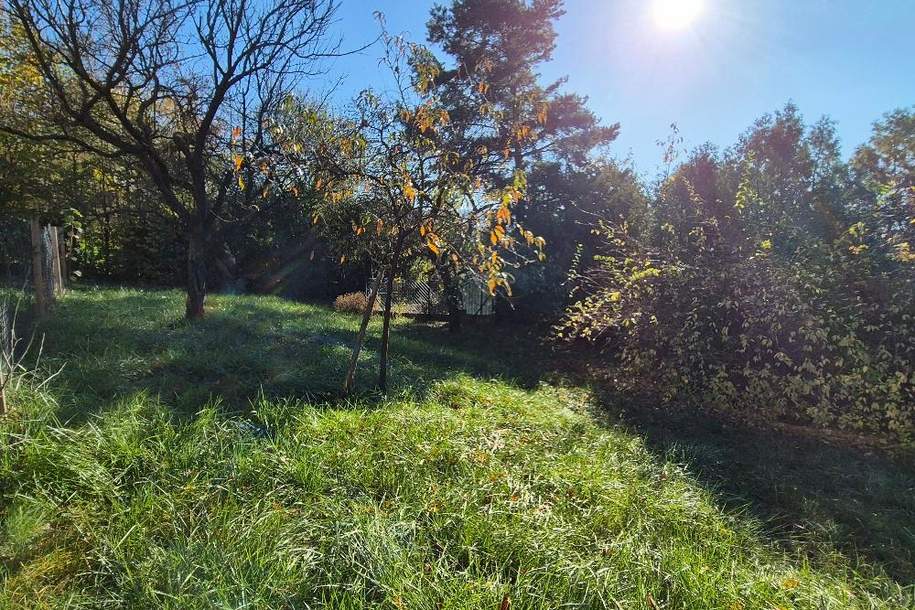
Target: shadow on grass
(115, 343)
(810, 492)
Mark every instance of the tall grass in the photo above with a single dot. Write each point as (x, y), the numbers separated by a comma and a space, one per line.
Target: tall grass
(473, 493)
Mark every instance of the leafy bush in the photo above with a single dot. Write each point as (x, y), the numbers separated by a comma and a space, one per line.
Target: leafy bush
(748, 335)
(351, 302)
(770, 281)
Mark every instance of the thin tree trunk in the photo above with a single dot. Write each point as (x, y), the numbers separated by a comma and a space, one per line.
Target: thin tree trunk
(452, 297)
(360, 336)
(386, 327)
(38, 279)
(57, 282)
(2, 395)
(196, 277)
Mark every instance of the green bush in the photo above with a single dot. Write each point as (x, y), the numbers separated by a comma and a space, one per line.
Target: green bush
(753, 337)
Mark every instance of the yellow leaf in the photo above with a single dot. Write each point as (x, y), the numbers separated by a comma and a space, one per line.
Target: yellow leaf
(542, 114)
(238, 160)
(422, 230)
(433, 247)
(241, 183)
(498, 232)
(409, 191)
(492, 284)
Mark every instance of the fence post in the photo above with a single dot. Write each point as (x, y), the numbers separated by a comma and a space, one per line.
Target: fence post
(57, 281)
(39, 282)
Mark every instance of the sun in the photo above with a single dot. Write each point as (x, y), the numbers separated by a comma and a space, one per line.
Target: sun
(676, 14)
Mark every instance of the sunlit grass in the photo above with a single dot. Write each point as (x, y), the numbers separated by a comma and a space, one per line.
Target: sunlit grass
(458, 491)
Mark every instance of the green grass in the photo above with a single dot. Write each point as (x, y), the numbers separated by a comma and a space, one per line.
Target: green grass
(209, 465)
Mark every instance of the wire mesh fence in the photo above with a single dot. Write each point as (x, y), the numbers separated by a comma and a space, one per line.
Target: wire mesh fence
(31, 260)
(427, 298)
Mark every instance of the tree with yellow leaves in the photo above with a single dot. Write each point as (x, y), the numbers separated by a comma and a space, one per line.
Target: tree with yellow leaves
(396, 188)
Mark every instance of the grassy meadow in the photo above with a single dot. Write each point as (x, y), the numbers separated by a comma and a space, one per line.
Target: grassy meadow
(211, 465)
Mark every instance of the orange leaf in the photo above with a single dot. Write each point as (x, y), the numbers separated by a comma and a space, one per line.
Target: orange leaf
(238, 160)
(409, 192)
(433, 247)
(379, 226)
(542, 114)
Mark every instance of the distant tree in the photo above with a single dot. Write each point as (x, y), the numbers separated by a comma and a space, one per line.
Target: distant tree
(885, 170)
(564, 204)
(185, 89)
(492, 51)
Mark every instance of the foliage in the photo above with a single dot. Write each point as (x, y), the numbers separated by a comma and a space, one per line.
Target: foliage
(351, 302)
(469, 494)
(184, 90)
(745, 297)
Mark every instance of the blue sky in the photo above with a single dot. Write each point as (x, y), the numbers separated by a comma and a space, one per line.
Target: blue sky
(850, 60)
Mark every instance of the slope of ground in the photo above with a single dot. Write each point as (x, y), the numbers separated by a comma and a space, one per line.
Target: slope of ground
(207, 465)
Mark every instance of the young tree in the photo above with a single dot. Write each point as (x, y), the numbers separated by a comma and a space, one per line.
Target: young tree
(174, 86)
(396, 187)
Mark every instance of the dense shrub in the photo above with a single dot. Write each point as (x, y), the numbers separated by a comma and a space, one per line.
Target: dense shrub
(753, 338)
(769, 282)
(351, 302)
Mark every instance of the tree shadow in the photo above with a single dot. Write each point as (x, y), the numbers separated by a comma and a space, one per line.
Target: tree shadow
(812, 493)
(113, 344)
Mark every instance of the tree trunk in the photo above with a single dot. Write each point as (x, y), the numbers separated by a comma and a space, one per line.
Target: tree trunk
(452, 291)
(57, 282)
(386, 326)
(38, 277)
(360, 336)
(2, 395)
(196, 276)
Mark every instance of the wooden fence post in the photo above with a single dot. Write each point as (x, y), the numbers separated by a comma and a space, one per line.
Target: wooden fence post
(39, 282)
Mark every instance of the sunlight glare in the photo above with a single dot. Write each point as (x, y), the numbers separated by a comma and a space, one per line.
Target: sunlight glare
(676, 14)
